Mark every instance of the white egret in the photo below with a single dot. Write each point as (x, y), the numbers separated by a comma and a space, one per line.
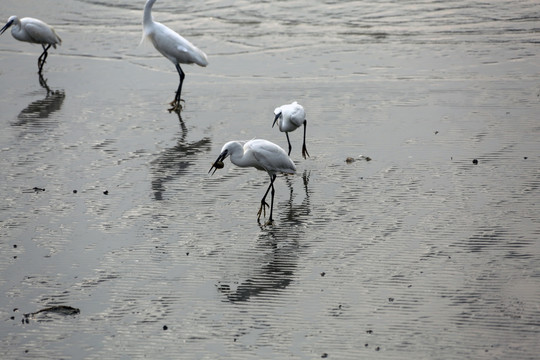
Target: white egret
(33, 31)
(290, 117)
(262, 155)
(173, 46)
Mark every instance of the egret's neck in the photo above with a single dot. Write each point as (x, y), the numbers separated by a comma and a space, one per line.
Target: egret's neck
(147, 17)
(237, 154)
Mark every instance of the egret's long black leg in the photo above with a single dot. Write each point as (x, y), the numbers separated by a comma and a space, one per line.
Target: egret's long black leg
(176, 102)
(43, 83)
(270, 220)
(304, 149)
(289, 142)
(264, 204)
(262, 209)
(42, 57)
(182, 77)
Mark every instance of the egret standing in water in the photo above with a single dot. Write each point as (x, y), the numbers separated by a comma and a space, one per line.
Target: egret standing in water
(33, 31)
(290, 117)
(173, 46)
(262, 155)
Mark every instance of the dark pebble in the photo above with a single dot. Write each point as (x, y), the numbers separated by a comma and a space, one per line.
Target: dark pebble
(323, 273)
(165, 327)
(377, 348)
(15, 245)
(369, 331)
(475, 161)
(324, 356)
(525, 158)
(74, 191)
(106, 192)
(187, 254)
(391, 299)
(12, 318)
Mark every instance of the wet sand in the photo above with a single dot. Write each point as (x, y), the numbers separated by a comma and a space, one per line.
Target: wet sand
(419, 253)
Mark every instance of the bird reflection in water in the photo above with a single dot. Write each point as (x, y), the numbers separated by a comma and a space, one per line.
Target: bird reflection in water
(269, 271)
(296, 214)
(37, 113)
(278, 249)
(175, 161)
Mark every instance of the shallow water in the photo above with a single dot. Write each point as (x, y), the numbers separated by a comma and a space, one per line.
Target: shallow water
(418, 253)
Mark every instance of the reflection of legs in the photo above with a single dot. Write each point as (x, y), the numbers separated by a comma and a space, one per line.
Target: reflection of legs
(183, 127)
(304, 149)
(42, 57)
(262, 209)
(176, 102)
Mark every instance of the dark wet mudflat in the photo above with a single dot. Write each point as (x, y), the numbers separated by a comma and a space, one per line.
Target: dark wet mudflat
(419, 253)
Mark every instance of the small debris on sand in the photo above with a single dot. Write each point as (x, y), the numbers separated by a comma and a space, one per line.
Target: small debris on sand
(350, 159)
(58, 309)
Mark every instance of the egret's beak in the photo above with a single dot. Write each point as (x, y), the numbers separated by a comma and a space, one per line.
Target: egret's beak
(275, 119)
(218, 164)
(6, 27)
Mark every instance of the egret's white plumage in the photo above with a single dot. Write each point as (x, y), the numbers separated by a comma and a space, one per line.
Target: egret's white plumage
(173, 46)
(33, 31)
(290, 117)
(262, 155)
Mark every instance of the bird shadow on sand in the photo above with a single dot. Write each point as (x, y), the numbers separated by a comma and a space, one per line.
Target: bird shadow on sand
(175, 161)
(276, 254)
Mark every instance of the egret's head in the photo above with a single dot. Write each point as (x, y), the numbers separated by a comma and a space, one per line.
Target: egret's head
(218, 164)
(10, 22)
(277, 112)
